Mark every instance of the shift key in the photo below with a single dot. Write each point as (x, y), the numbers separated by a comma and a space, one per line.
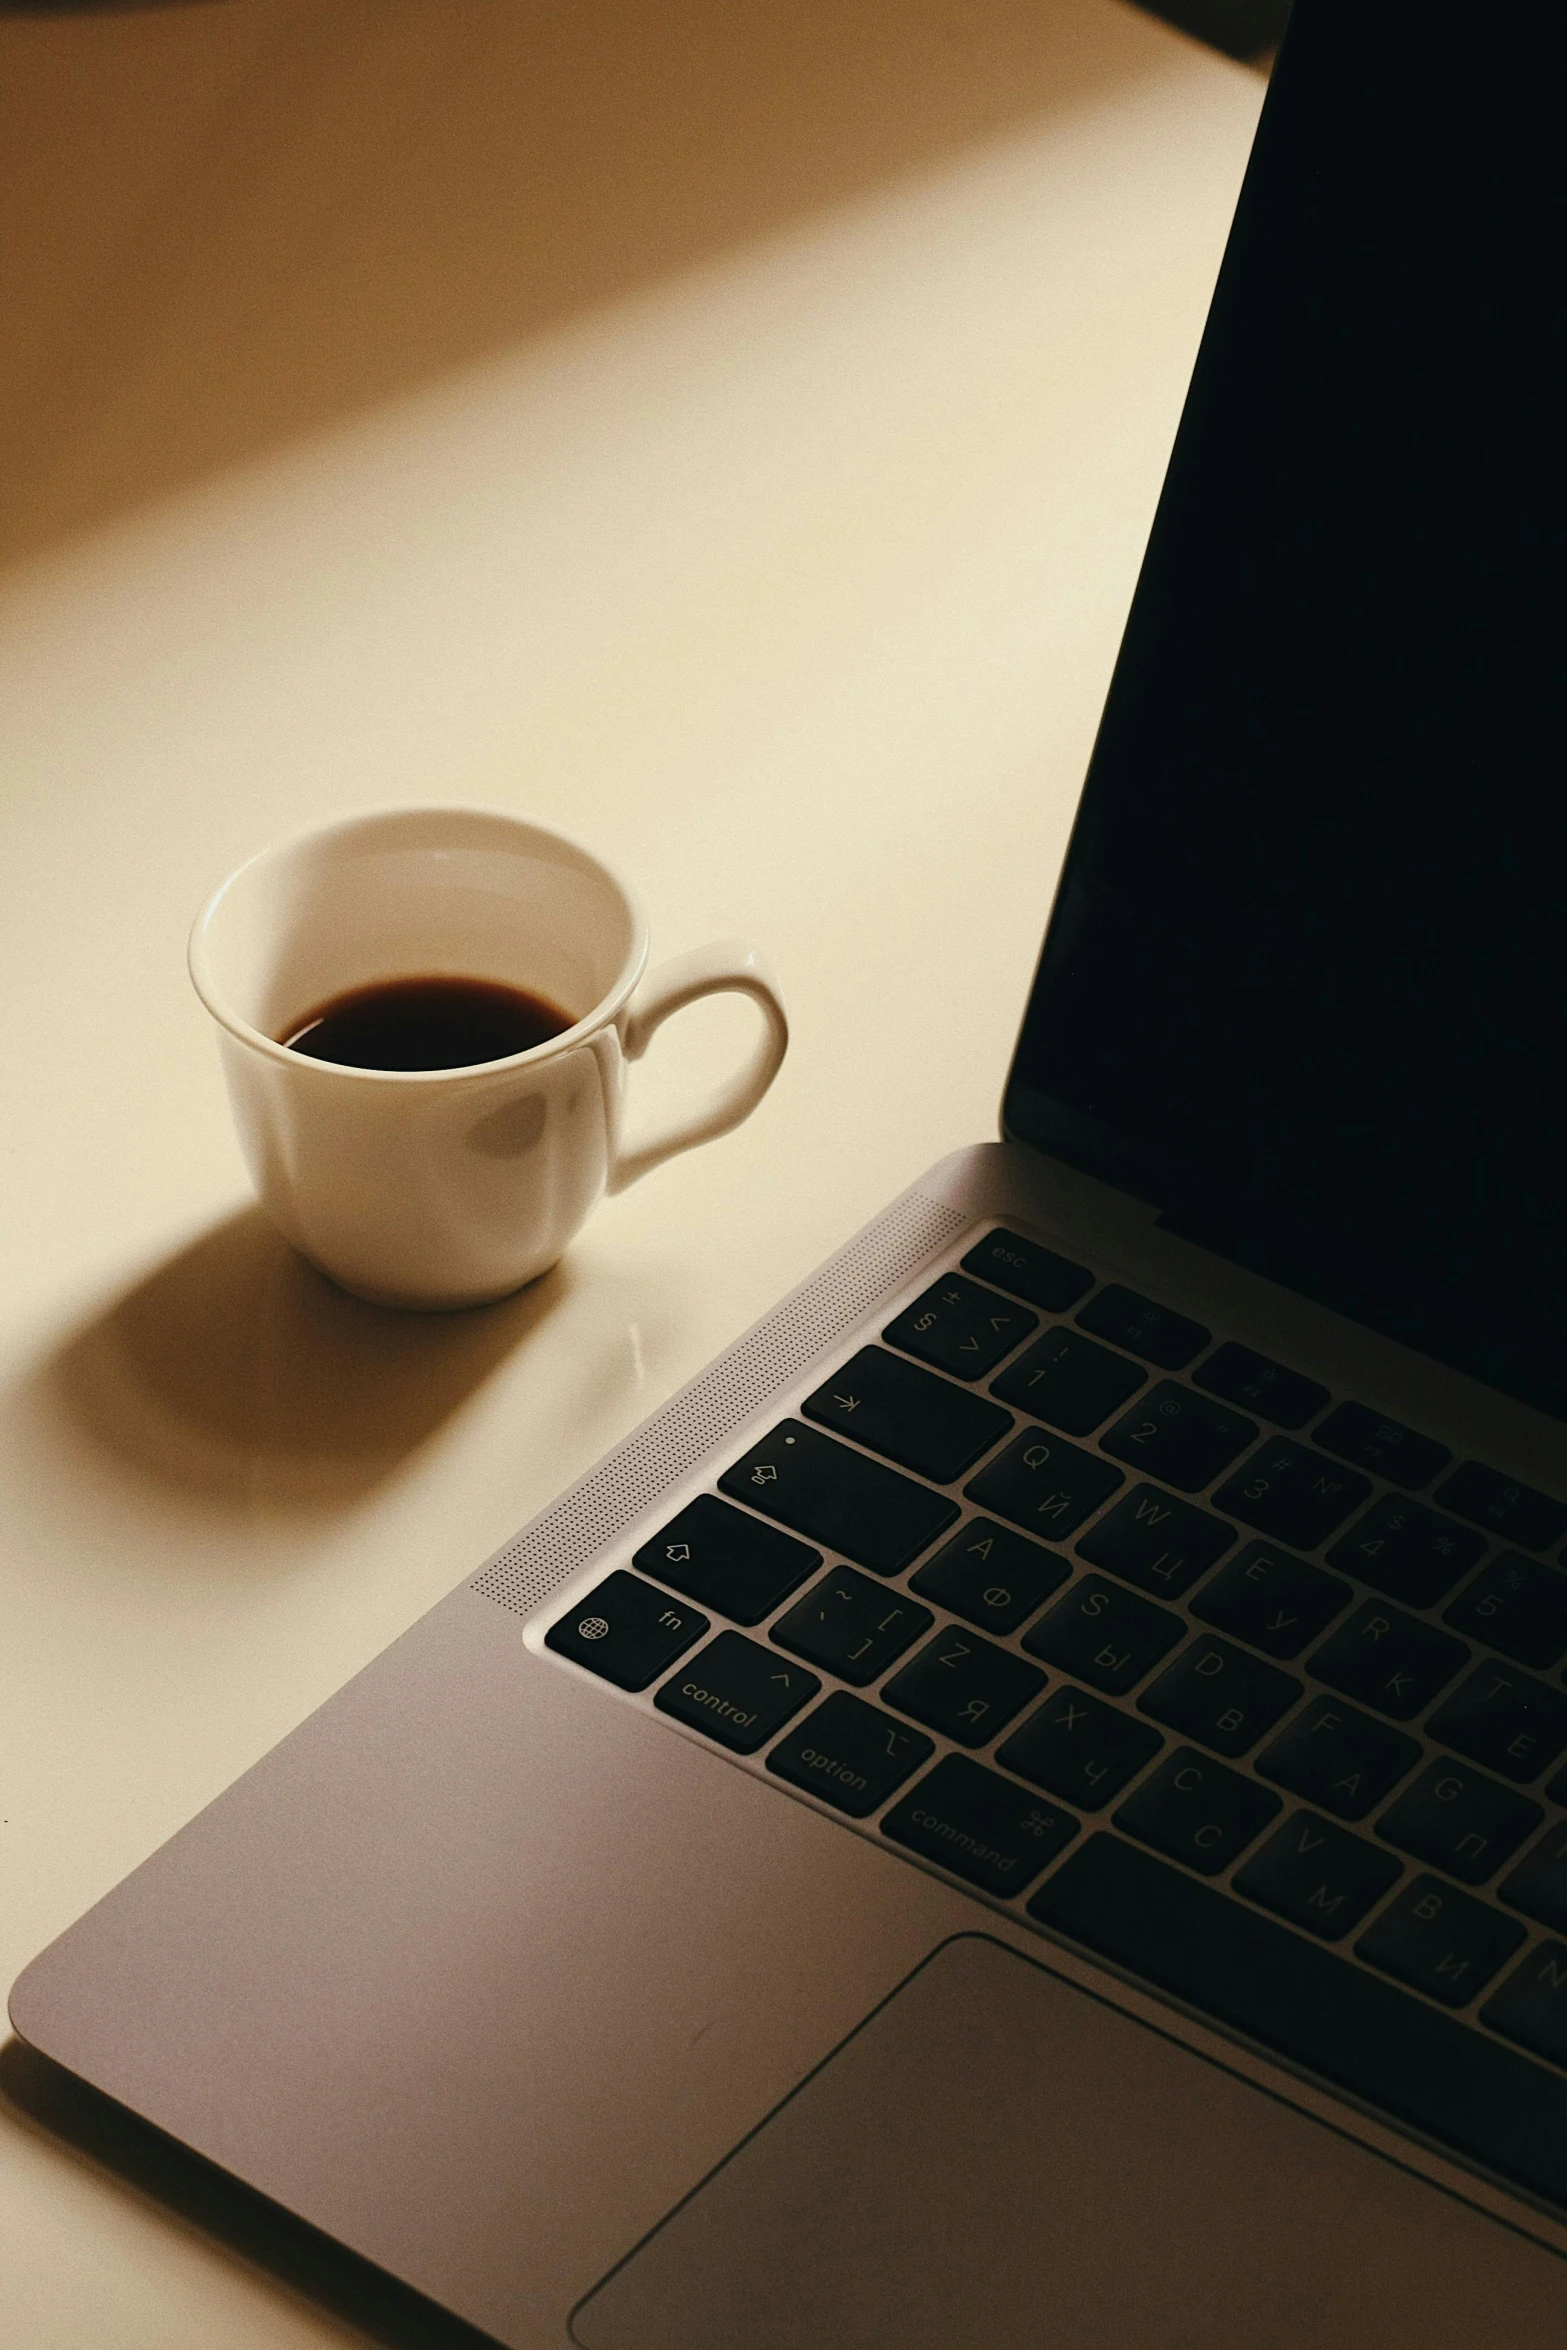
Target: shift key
(872, 1515)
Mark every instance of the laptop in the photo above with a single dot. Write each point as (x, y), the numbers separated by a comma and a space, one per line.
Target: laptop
(1028, 1804)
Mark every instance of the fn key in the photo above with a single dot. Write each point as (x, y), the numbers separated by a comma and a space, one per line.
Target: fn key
(626, 1631)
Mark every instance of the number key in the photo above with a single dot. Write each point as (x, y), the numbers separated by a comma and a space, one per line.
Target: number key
(1069, 1382)
(1412, 1553)
(1518, 1605)
(1179, 1437)
(1296, 1495)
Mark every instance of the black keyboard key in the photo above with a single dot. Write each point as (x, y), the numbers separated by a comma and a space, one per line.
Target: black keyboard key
(1104, 1635)
(1440, 1941)
(1538, 1885)
(1069, 1381)
(1155, 1541)
(1276, 1602)
(922, 1422)
(737, 1692)
(1318, 1876)
(1159, 1336)
(995, 1578)
(1179, 1437)
(1296, 1495)
(963, 1686)
(1412, 1553)
(1079, 1748)
(1044, 1484)
(1504, 1720)
(1338, 1758)
(850, 1754)
(727, 1559)
(1197, 1811)
(979, 1825)
(625, 1631)
(1459, 1821)
(1258, 1385)
(1504, 1506)
(1356, 1433)
(1028, 1271)
(1389, 1660)
(1428, 2070)
(1531, 2006)
(1219, 1695)
(851, 1626)
(960, 1327)
(1518, 1605)
(838, 1497)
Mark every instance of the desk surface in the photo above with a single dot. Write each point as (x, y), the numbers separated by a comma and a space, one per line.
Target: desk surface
(735, 447)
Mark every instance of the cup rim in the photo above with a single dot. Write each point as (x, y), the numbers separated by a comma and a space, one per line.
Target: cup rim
(198, 953)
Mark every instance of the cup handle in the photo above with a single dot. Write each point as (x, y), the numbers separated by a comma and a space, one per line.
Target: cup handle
(724, 968)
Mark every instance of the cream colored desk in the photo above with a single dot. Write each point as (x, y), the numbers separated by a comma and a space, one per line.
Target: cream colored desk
(733, 439)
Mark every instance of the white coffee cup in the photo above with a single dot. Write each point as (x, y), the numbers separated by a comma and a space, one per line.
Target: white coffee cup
(448, 1187)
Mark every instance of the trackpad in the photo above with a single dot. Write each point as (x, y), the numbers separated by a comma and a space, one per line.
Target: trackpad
(997, 2159)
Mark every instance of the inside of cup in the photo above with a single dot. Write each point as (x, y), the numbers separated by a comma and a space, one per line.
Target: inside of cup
(425, 893)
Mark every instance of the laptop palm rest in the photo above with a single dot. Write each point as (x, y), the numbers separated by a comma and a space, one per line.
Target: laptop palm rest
(996, 2157)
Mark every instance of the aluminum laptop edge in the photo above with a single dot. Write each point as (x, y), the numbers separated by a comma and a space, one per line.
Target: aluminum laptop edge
(1024, 1805)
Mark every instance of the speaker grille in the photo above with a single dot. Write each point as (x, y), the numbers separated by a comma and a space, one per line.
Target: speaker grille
(721, 1398)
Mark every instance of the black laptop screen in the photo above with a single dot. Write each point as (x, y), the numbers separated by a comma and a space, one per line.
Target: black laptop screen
(1306, 978)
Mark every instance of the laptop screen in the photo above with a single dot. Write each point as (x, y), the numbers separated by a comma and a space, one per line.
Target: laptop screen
(1305, 983)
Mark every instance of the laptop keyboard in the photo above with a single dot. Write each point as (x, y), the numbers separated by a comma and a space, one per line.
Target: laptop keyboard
(1248, 1690)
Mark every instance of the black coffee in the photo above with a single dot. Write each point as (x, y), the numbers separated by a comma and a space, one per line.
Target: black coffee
(426, 1024)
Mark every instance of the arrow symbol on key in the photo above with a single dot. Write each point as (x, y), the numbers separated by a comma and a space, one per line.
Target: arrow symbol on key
(677, 1550)
(850, 1403)
(765, 1475)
